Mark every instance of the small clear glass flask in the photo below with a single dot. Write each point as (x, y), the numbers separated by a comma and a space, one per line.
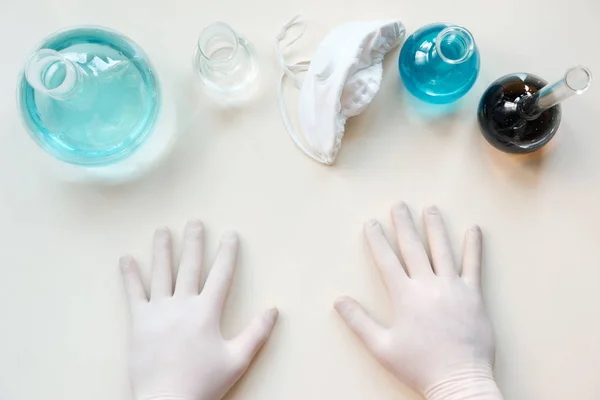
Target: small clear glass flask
(226, 64)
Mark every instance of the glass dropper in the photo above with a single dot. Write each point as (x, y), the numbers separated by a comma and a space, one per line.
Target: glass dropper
(575, 81)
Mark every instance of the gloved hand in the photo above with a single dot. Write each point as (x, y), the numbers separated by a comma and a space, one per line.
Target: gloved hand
(441, 342)
(177, 351)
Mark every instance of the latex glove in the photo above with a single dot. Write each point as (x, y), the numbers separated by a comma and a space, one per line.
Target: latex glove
(177, 350)
(441, 341)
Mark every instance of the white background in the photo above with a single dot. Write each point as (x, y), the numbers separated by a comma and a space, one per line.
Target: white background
(63, 319)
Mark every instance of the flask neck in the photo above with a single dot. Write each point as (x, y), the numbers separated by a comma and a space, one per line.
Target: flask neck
(575, 81)
(50, 73)
(453, 45)
(219, 48)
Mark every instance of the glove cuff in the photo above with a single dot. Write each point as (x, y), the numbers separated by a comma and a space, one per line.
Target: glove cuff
(469, 384)
(165, 396)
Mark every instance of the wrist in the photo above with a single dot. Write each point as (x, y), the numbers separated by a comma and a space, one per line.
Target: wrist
(466, 385)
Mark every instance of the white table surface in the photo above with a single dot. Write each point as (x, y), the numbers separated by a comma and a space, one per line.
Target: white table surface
(62, 310)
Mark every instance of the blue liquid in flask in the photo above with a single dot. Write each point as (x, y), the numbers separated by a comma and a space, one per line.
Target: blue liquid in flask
(89, 96)
(439, 63)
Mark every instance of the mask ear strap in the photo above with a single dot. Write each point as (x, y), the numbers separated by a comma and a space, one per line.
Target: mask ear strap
(291, 71)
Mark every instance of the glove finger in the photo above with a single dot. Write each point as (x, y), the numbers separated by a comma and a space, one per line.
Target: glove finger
(132, 281)
(472, 256)
(439, 243)
(409, 242)
(251, 340)
(220, 277)
(189, 277)
(389, 266)
(361, 324)
(162, 265)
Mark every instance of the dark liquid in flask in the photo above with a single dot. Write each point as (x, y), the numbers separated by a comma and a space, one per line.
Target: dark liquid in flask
(504, 126)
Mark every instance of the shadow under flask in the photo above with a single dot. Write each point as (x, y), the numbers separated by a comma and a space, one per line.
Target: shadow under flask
(520, 113)
(439, 63)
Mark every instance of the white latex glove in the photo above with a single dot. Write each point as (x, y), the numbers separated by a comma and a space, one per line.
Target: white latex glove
(441, 342)
(177, 350)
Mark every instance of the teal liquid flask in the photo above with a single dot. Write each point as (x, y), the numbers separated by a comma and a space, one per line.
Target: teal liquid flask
(439, 63)
(91, 99)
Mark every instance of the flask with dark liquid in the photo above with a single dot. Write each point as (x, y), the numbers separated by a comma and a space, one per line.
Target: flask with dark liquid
(520, 113)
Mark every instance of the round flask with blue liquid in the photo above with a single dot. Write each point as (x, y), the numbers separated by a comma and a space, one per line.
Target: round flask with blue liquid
(91, 99)
(439, 63)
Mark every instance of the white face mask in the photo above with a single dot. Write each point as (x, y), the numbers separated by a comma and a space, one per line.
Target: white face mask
(341, 80)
